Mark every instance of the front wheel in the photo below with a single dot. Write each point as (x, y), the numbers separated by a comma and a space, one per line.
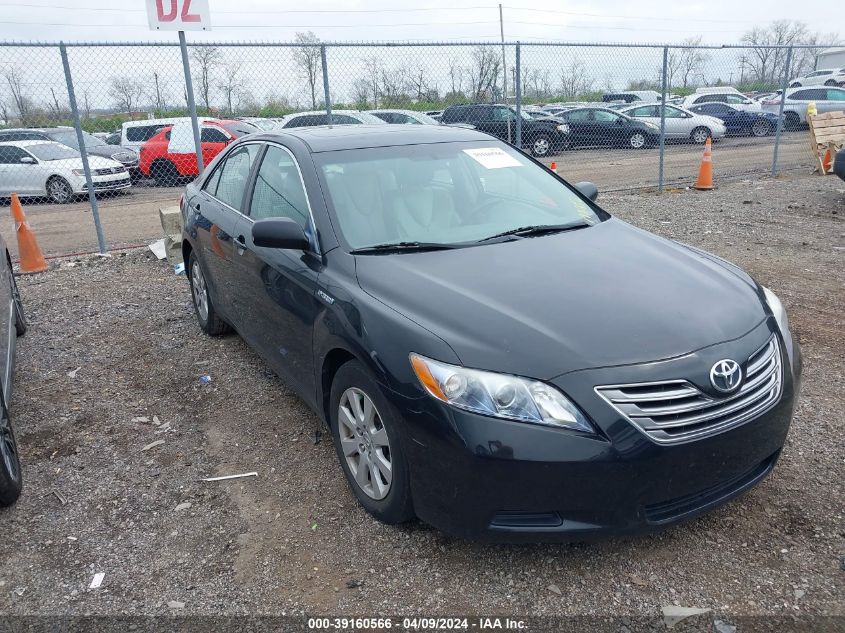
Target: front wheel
(700, 135)
(638, 140)
(761, 128)
(366, 433)
(795, 84)
(11, 481)
(830, 82)
(59, 190)
(541, 146)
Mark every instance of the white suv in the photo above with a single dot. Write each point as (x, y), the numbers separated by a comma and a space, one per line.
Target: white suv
(825, 77)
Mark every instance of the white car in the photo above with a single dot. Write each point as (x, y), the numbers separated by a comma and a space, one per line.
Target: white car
(825, 77)
(403, 117)
(45, 168)
(826, 98)
(319, 117)
(680, 123)
(731, 96)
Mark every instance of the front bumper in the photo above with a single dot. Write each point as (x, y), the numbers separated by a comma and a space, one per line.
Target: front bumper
(108, 183)
(490, 479)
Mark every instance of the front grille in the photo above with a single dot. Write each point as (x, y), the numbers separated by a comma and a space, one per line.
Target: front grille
(672, 509)
(676, 410)
(106, 171)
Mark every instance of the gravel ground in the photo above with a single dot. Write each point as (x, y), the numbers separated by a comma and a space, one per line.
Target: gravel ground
(293, 540)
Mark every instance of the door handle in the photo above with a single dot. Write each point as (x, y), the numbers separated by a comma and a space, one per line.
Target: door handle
(240, 243)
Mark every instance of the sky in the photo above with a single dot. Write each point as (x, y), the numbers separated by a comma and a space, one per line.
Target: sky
(646, 21)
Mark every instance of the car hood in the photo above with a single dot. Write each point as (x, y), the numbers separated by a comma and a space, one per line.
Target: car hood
(543, 306)
(109, 151)
(95, 162)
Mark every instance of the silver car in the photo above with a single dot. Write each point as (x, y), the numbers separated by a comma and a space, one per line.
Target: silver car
(404, 117)
(319, 117)
(826, 98)
(680, 124)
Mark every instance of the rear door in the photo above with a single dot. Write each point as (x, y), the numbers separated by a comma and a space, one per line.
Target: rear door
(834, 100)
(277, 287)
(216, 211)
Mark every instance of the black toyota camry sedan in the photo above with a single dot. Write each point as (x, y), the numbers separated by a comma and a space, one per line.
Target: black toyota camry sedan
(493, 352)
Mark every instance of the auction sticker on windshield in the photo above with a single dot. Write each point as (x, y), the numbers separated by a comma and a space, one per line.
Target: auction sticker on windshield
(492, 157)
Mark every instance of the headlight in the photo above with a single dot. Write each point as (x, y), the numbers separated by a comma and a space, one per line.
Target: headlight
(563, 127)
(498, 395)
(78, 172)
(778, 311)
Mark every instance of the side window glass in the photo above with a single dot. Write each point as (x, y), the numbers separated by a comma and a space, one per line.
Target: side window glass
(835, 95)
(604, 116)
(11, 155)
(278, 191)
(343, 119)
(578, 115)
(213, 135)
(234, 174)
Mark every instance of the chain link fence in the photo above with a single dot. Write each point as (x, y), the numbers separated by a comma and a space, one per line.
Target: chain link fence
(621, 116)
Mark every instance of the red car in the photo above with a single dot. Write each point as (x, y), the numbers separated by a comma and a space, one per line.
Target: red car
(170, 155)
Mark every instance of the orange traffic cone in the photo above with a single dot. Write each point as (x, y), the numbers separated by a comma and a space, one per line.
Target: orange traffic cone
(32, 259)
(553, 166)
(705, 172)
(826, 162)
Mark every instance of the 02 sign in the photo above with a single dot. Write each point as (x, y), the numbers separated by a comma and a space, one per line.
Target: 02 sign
(178, 15)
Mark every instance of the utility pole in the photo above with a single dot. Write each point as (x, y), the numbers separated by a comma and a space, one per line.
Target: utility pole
(504, 66)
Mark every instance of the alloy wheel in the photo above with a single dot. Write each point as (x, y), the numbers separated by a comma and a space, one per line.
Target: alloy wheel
(365, 444)
(541, 147)
(637, 140)
(59, 191)
(9, 447)
(760, 128)
(700, 135)
(200, 291)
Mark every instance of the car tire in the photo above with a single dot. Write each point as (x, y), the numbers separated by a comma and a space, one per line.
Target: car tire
(20, 317)
(164, 173)
(541, 146)
(700, 135)
(11, 481)
(795, 84)
(760, 128)
(638, 140)
(207, 317)
(791, 120)
(830, 82)
(369, 445)
(59, 190)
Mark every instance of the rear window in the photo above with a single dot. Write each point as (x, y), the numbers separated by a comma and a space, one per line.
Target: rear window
(241, 128)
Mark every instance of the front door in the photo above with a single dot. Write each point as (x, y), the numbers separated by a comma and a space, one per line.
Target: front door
(213, 215)
(278, 287)
(18, 177)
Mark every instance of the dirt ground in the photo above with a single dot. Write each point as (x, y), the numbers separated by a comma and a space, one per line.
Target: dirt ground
(112, 363)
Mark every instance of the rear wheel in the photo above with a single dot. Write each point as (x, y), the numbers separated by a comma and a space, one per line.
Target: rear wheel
(791, 120)
(19, 316)
(366, 434)
(59, 190)
(700, 135)
(164, 173)
(795, 84)
(761, 127)
(10, 465)
(830, 82)
(207, 317)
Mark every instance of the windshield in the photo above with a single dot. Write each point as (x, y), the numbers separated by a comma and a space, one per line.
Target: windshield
(69, 138)
(369, 119)
(443, 193)
(51, 151)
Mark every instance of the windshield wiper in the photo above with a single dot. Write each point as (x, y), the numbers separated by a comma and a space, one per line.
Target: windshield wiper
(404, 246)
(538, 229)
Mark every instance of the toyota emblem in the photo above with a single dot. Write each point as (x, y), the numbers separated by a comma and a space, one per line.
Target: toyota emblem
(726, 375)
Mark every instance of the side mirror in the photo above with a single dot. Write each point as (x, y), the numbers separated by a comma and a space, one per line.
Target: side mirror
(27, 160)
(588, 190)
(279, 233)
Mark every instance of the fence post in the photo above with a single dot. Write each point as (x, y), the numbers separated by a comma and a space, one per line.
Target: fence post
(517, 83)
(784, 86)
(80, 140)
(326, 94)
(192, 106)
(663, 91)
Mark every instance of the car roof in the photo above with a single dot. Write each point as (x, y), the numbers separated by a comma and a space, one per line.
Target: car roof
(29, 143)
(396, 110)
(325, 138)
